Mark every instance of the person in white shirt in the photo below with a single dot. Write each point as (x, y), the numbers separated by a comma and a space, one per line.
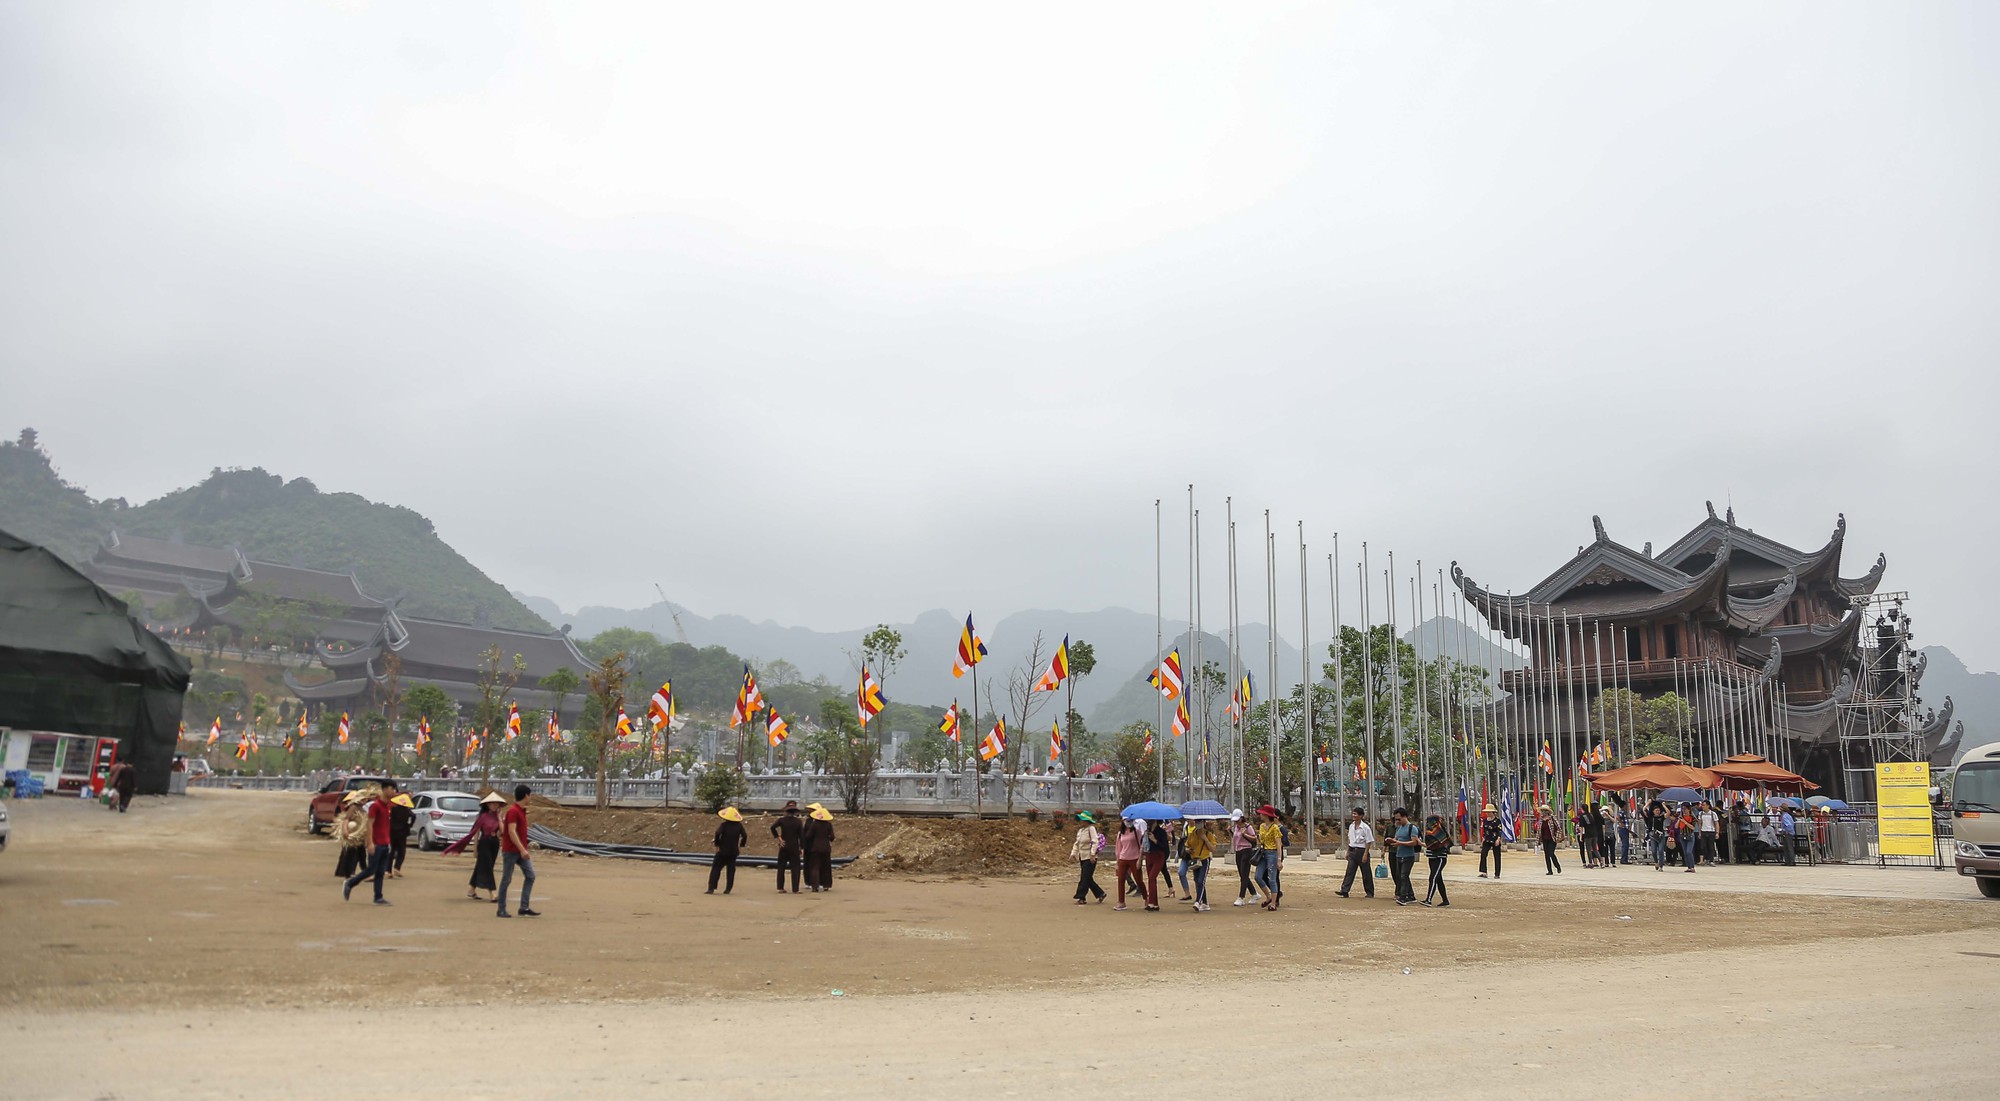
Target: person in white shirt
(1708, 822)
(1359, 836)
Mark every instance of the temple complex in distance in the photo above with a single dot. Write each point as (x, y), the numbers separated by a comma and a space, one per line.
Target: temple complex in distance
(191, 591)
(1774, 650)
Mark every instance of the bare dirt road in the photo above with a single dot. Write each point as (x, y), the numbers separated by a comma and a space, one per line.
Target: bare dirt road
(199, 948)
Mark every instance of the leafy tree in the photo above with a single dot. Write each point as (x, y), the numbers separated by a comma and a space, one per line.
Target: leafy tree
(1132, 765)
(428, 703)
(850, 755)
(561, 683)
(607, 691)
(497, 679)
(717, 787)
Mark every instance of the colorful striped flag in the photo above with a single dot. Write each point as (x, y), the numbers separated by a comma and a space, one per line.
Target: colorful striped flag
(554, 726)
(1239, 700)
(1182, 723)
(661, 711)
(1167, 678)
(624, 727)
(948, 726)
(423, 733)
(995, 742)
(1058, 670)
(346, 727)
(215, 732)
(971, 650)
(868, 701)
(1547, 758)
(513, 720)
(777, 728)
(1055, 742)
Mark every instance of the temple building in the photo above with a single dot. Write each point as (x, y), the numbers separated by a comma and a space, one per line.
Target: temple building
(1774, 650)
(193, 594)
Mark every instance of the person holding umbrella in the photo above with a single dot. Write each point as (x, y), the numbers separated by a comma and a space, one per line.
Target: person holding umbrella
(1084, 851)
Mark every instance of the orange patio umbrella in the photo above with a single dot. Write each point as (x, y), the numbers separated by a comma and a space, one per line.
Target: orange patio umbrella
(1747, 770)
(1654, 770)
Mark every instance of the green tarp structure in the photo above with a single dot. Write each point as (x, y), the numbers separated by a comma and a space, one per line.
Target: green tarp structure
(74, 660)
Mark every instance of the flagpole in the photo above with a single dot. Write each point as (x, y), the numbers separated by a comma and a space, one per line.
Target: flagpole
(1188, 682)
(1311, 850)
(1159, 643)
(1339, 672)
(1233, 788)
(1395, 680)
(1271, 755)
(1203, 699)
(1367, 683)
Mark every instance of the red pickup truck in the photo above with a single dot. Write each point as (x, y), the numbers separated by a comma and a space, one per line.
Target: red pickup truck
(326, 803)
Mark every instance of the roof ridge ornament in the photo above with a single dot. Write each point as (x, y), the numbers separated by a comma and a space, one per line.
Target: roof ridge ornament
(1597, 522)
(1711, 509)
(1729, 515)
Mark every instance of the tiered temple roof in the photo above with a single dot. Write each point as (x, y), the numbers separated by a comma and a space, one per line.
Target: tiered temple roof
(448, 655)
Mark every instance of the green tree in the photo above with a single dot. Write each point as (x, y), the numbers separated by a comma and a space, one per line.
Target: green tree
(607, 691)
(561, 683)
(849, 753)
(1132, 765)
(717, 787)
(428, 703)
(497, 678)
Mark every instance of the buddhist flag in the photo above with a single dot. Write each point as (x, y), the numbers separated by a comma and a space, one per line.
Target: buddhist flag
(513, 720)
(660, 712)
(302, 727)
(1239, 701)
(554, 725)
(243, 747)
(472, 745)
(1361, 768)
(777, 728)
(1055, 742)
(971, 651)
(1547, 758)
(423, 734)
(624, 724)
(1599, 752)
(346, 727)
(1182, 723)
(184, 728)
(868, 701)
(748, 701)
(215, 732)
(1058, 670)
(1147, 747)
(948, 726)
(1167, 678)
(995, 742)
(288, 743)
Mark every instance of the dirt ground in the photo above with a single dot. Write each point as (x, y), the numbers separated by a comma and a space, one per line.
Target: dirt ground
(206, 935)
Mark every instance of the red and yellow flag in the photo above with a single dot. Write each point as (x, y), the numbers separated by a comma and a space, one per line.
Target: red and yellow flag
(971, 651)
(995, 742)
(1167, 678)
(1058, 670)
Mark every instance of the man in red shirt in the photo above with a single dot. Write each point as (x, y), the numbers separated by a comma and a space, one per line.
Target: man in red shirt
(514, 851)
(378, 811)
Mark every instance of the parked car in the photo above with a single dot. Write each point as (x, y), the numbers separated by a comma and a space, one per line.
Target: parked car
(443, 817)
(197, 767)
(326, 802)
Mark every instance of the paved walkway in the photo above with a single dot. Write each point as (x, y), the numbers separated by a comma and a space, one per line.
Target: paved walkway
(1524, 871)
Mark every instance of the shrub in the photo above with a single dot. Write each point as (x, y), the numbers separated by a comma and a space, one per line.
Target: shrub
(717, 785)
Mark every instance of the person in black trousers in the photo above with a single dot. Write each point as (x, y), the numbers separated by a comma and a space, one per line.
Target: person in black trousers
(1360, 835)
(1546, 831)
(730, 837)
(402, 815)
(1489, 840)
(818, 841)
(1437, 849)
(789, 829)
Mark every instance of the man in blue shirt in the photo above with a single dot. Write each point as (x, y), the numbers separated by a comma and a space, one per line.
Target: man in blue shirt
(1787, 828)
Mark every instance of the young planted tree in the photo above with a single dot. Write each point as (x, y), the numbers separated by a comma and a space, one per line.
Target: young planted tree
(1022, 703)
(428, 703)
(607, 691)
(849, 755)
(561, 684)
(496, 681)
(881, 650)
(1082, 660)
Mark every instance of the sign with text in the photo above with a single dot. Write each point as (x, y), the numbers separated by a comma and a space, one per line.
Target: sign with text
(1903, 808)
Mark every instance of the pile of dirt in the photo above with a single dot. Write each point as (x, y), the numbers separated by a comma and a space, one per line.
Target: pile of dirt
(880, 844)
(959, 847)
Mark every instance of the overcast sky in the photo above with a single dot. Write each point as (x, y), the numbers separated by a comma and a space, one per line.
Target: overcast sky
(835, 313)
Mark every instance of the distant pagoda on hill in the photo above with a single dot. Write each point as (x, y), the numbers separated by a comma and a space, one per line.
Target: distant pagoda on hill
(192, 591)
(1777, 652)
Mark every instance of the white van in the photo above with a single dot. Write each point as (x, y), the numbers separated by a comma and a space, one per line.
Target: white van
(1975, 818)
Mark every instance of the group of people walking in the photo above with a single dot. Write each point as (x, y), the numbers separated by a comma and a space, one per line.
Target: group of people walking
(373, 828)
(805, 844)
(1147, 854)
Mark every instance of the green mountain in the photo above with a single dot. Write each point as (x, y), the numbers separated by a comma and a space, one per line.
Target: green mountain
(390, 548)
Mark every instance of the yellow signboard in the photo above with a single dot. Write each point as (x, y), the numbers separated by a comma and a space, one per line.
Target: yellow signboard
(1903, 808)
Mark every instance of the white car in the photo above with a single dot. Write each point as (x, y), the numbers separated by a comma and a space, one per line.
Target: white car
(443, 817)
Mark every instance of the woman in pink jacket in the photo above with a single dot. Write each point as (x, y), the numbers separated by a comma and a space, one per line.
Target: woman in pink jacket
(1128, 859)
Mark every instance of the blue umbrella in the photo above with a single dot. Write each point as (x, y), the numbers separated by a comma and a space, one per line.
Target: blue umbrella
(1204, 808)
(1827, 801)
(1680, 795)
(1152, 812)
(1783, 801)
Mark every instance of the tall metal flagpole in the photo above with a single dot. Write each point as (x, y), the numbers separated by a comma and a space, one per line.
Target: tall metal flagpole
(1201, 716)
(1339, 672)
(1275, 762)
(1190, 674)
(1306, 678)
(1159, 643)
(1235, 659)
(1369, 761)
(1423, 769)
(1395, 675)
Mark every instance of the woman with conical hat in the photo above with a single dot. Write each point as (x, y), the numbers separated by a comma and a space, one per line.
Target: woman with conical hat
(730, 837)
(485, 836)
(818, 840)
(1489, 839)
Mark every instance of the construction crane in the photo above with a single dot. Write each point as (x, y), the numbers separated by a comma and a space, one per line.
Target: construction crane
(673, 611)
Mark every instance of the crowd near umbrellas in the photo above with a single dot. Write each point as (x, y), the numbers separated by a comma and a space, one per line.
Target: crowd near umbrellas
(1204, 808)
(1654, 770)
(1152, 812)
(1745, 771)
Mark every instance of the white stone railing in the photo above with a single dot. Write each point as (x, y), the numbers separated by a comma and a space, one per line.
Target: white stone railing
(888, 792)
